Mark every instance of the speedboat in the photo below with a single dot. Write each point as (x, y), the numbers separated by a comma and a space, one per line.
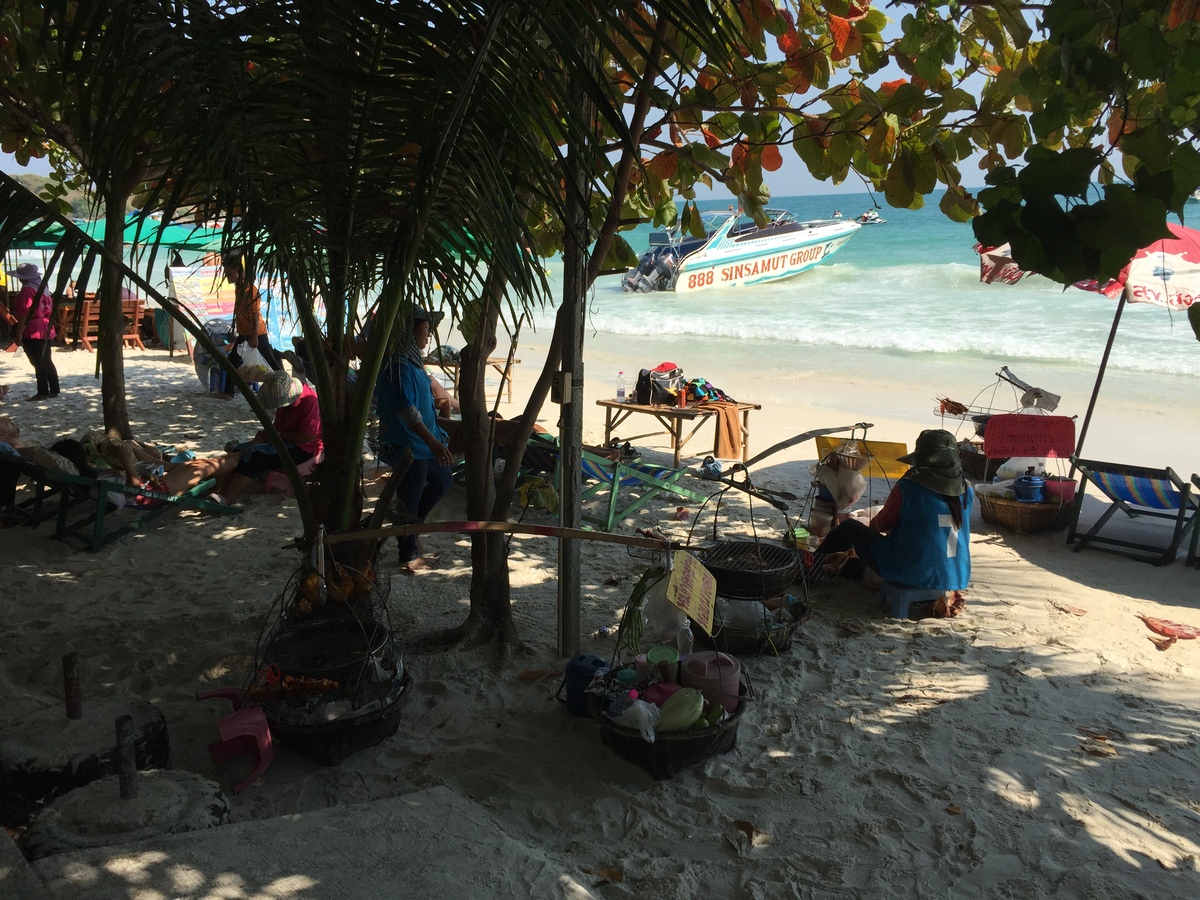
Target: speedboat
(870, 217)
(734, 251)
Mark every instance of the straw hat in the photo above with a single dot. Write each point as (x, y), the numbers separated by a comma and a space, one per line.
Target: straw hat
(279, 389)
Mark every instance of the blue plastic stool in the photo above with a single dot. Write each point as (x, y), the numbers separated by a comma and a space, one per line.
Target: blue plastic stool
(895, 599)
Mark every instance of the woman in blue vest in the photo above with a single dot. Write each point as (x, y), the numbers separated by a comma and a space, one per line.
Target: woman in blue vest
(408, 421)
(921, 538)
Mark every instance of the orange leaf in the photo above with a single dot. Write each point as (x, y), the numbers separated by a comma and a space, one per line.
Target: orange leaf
(839, 29)
(771, 158)
(858, 10)
(890, 87)
(663, 165)
(737, 158)
(789, 42)
(851, 48)
(706, 80)
(709, 138)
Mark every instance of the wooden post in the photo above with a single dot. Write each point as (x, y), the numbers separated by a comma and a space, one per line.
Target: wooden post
(126, 758)
(574, 298)
(72, 689)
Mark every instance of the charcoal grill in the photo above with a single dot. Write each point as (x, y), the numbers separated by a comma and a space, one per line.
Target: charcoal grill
(750, 570)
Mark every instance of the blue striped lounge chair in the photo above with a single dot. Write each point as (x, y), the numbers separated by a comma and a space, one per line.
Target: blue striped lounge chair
(1137, 491)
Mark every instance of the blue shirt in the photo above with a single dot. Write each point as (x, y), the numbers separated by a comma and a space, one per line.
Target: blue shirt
(402, 383)
(926, 550)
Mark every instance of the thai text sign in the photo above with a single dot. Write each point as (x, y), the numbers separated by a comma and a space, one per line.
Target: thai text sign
(1015, 435)
(693, 589)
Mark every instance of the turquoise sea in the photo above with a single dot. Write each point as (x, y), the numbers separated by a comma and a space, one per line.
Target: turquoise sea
(901, 303)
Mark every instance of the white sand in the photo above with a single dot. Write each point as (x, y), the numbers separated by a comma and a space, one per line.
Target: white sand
(884, 758)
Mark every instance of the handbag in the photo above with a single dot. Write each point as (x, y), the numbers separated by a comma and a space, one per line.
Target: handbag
(254, 365)
(665, 384)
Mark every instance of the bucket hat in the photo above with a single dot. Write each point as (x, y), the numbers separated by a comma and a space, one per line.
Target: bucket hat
(935, 463)
(279, 389)
(420, 314)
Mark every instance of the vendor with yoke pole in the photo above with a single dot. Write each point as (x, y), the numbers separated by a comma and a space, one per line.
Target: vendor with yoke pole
(921, 538)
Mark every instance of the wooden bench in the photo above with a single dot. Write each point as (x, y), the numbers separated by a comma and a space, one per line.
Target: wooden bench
(89, 322)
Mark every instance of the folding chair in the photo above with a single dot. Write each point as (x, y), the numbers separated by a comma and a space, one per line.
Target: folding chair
(614, 475)
(1193, 557)
(1136, 491)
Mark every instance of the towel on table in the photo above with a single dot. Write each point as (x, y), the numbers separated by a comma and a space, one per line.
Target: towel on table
(729, 429)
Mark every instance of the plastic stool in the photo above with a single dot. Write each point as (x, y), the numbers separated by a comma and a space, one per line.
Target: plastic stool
(244, 732)
(895, 599)
(278, 483)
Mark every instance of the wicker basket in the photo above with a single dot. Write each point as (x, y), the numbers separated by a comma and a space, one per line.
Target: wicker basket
(1022, 517)
(672, 751)
(754, 643)
(978, 467)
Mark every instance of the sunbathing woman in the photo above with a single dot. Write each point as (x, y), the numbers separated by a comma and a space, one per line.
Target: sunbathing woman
(921, 538)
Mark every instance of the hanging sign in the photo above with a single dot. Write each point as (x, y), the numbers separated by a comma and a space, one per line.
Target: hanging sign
(1025, 435)
(693, 589)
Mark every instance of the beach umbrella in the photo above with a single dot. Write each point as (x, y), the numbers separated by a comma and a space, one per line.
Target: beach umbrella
(146, 233)
(997, 264)
(1165, 273)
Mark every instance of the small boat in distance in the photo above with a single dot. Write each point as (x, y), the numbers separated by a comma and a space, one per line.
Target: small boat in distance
(870, 217)
(735, 251)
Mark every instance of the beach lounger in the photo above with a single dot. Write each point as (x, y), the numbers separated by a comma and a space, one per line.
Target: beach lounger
(1193, 557)
(641, 482)
(1137, 491)
(82, 514)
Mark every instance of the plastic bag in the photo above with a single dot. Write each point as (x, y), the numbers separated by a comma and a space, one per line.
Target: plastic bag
(1022, 465)
(663, 618)
(640, 715)
(254, 365)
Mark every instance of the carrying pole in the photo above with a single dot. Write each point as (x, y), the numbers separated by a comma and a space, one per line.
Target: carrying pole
(1087, 419)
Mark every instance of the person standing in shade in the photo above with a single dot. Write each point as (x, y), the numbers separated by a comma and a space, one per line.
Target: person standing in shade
(408, 421)
(248, 324)
(34, 310)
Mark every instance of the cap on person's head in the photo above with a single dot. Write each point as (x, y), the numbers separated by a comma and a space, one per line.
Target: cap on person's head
(26, 272)
(420, 314)
(279, 389)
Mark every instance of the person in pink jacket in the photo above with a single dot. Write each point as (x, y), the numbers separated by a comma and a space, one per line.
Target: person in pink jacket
(37, 334)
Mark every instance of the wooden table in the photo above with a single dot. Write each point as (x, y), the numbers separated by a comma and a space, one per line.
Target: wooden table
(673, 419)
(501, 364)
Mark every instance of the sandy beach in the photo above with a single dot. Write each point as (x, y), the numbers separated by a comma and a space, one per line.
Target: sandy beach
(1037, 745)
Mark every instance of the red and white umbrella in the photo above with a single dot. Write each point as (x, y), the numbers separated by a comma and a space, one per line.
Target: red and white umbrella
(997, 264)
(1167, 273)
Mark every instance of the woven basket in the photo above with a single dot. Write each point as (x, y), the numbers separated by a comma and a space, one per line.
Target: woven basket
(978, 467)
(1024, 518)
(754, 643)
(672, 751)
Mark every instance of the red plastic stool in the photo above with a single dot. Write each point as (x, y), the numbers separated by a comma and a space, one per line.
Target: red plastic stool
(244, 732)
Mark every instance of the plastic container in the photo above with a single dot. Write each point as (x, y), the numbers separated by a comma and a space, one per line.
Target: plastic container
(1062, 490)
(621, 386)
(1029, 488)
(715, 675)
(664, 660)
(578, 674)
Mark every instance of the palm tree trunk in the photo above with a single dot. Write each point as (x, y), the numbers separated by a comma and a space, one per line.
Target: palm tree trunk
(110, 350)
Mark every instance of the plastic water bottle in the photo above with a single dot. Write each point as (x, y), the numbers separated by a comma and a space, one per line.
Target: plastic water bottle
(684, 640)
(620, 387)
